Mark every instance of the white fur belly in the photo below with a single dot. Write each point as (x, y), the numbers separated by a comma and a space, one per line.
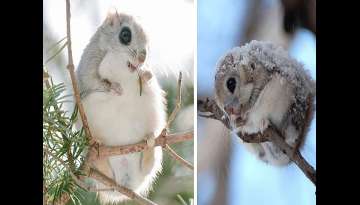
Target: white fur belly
(125, 119)
(272, 104)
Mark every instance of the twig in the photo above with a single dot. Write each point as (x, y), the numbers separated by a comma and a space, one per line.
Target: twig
(64, 198)
(105, 151)
(96, 174)
(270, 134)
(210, 106)
(178, 158)
(256, 138)
(292, 153)
(170, 120)
(71, 69)
(177, 104)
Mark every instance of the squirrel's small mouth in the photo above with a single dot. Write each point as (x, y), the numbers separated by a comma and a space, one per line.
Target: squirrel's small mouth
(237, 119)
(132, 67)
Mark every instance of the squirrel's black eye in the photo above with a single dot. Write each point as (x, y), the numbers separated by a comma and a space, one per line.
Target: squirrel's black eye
(125, 36)
(252, 65)
(231, 84)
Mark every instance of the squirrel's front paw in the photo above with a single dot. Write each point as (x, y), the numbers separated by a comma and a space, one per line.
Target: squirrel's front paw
(243, 118)
(254, 125)
(116, 88)
(264, 123)
(146, 76)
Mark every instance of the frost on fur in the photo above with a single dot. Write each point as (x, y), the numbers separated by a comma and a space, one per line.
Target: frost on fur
(271, 86)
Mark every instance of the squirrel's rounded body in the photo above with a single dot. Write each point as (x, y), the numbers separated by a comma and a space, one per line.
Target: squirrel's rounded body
(118, 112)
(258, 84)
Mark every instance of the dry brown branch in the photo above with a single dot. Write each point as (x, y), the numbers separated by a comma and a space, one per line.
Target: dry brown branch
(71, 69)
(292, 153)
(96, 174)
(215, 112)
(270, 134)
(178, 158)
(162, 140)
(177, 104)
(170, 120)
(65, 197)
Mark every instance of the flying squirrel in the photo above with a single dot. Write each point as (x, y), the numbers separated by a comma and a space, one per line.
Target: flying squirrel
(123, 102)
(259, 84)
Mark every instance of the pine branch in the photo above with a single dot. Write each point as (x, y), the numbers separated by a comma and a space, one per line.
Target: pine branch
(270, 134)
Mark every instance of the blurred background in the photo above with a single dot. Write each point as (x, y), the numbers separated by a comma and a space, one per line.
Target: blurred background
(170, 26)
(227, 173)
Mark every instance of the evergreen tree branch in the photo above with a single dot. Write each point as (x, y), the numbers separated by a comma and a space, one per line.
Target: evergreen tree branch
(270, 134)
(73, 176)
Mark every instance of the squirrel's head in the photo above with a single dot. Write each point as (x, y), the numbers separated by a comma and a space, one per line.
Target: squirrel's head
(122, 35)
(233, 82)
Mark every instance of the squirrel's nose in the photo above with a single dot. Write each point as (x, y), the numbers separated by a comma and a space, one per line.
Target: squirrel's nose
(229, 109)
(142, 56)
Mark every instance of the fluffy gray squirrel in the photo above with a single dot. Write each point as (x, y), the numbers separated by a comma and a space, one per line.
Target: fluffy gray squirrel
(260, 84)
(120, 110)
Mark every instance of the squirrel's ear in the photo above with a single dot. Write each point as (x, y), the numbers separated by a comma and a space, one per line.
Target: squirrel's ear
(112, 17)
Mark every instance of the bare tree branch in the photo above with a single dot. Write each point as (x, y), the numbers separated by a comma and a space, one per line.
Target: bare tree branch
(96, 174)
(170, 120)
(162, 140)
(178, 158)
(270, 134)
(71, 69)
(177, 104)
(216, 113)
(293, 154)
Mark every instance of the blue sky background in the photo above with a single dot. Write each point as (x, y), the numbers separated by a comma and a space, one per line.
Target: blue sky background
(250, 181)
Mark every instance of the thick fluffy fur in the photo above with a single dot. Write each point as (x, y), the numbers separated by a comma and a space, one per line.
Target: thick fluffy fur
(121, 119)
(271, 87)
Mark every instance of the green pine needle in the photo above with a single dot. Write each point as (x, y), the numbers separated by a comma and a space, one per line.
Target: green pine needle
(62, 140)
